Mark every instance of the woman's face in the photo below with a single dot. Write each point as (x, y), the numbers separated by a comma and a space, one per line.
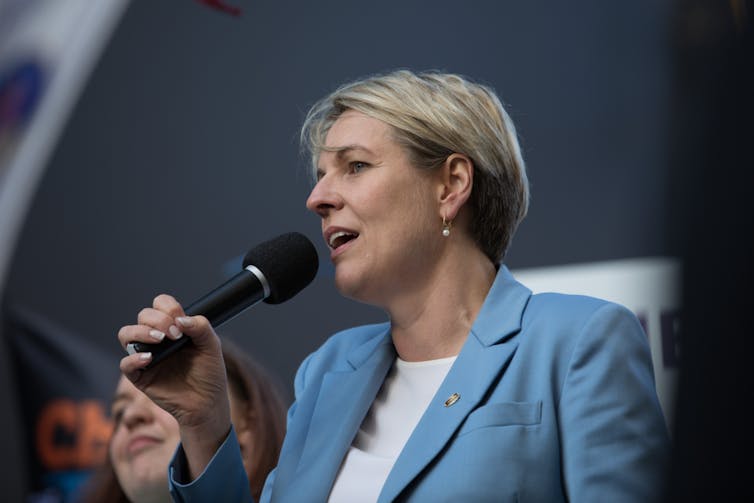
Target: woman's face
(379, 213)
(143, 442)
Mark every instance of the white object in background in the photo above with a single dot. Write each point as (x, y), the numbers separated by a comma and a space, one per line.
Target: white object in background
(63, 40)
(650, 287)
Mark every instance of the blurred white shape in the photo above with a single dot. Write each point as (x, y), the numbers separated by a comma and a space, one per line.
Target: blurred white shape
(650, 287)
(48, 49)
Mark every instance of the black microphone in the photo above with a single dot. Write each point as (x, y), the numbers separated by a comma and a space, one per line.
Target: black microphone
(273, 271)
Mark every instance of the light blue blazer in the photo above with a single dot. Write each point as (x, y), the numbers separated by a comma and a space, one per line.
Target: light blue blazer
(557, 403)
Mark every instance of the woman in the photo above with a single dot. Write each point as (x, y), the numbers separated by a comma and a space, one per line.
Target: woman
(475, 390)
(145, 436)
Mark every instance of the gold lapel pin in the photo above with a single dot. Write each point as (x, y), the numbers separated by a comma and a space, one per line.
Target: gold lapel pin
(452, 399)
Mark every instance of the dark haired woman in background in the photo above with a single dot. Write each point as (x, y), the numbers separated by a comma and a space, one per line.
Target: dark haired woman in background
(145, 436)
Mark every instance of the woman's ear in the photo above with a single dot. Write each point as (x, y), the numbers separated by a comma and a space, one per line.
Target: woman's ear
(245, 436)
(457, 177)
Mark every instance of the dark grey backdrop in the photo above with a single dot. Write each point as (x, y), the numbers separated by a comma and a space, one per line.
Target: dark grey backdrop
(182, 152)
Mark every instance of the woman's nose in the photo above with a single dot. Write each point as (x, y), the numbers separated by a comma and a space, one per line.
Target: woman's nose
(324, 198)
(138, 412)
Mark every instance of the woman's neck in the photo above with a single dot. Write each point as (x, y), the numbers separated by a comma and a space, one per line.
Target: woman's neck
(433, 320)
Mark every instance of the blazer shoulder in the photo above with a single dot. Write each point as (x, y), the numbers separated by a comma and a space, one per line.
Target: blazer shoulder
(340, 349)
(567, 317)
(562, 308)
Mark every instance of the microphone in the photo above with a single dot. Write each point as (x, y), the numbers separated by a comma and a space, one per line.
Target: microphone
(273, 271)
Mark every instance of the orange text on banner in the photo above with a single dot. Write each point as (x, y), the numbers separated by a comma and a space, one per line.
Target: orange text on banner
(72, 435)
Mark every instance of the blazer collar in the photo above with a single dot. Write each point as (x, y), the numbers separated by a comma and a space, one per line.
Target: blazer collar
(480, 364)
(502, 311)
(343, 401)
(379, 345)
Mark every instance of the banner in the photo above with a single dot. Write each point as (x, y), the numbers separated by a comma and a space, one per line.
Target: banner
(64, 386)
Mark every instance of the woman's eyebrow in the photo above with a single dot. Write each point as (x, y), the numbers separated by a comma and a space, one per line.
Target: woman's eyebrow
(341, 151)
(120, 397)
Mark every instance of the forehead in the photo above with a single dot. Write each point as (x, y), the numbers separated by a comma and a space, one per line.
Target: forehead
(125, 388)
(355, 128)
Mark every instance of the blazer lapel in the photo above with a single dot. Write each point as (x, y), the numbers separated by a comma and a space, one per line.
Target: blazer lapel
(481, 363)
(344, 399)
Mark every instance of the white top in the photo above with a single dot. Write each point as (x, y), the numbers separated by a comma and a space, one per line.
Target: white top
(395, 412)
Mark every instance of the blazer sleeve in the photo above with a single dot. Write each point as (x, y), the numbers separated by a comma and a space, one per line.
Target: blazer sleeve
(614, 438)
(224, 478)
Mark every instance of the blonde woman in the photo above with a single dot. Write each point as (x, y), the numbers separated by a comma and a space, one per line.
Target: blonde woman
(475, 389)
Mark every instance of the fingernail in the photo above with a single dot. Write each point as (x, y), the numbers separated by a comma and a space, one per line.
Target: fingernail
(174, 332)
(185, 321)
(156, 335)
(145, 356)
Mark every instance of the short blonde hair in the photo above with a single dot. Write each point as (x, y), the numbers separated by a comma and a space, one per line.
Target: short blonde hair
(434, 115)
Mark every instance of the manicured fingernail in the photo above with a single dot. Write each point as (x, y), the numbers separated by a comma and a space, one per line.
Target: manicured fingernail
(185, 321)
(156, 335)
(174, 332)
(145, 356)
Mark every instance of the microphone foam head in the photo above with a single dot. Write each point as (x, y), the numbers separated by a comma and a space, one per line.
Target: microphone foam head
(289, 262)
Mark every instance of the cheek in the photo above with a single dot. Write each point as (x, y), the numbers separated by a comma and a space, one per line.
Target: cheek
(117, 446)
(404, 207)
(169, 426)
(411, 220)
(119, 459)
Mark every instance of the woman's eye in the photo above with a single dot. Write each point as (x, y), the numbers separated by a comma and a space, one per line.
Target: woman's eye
(117, 416)
(357, 166)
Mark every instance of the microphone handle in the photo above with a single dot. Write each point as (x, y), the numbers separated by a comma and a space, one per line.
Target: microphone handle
(220, 305)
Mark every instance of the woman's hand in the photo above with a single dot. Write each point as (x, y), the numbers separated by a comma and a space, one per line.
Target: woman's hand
(190, 384)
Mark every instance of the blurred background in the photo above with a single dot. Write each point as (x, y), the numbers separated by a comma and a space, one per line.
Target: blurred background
(145, 146)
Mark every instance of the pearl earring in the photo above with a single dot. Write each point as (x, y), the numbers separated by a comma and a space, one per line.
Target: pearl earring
(445, 227)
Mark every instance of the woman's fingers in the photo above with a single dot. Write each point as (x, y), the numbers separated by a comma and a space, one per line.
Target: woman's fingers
(139, 333)
(166, 319)
(168, 305)
(161, 317)
(154, 323)
(162, 323)
(198, 328)
(131, 365)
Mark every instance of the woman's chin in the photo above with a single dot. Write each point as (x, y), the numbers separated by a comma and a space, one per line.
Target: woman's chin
(146, 487)
(351, 286)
